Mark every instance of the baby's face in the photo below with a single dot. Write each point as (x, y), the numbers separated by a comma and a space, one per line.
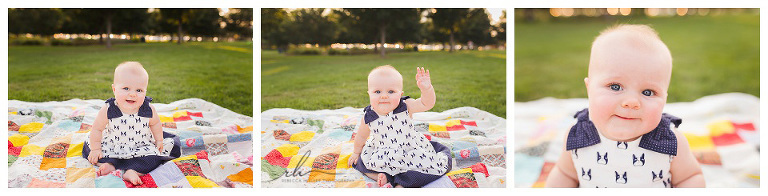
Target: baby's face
(384, 92)
(130, 90)
(627, 91)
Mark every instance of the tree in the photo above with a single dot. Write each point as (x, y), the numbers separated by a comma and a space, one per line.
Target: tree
(43, 22)
(501, 28)
(240, 23)
(476, 27)
(273, 23)
(402, 23)
(312, 27)
(176, 16)
(204, 22)
(449, 21)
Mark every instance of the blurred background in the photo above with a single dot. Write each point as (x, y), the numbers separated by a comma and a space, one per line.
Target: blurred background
(319, 58)
(61, 54)
(714, 50)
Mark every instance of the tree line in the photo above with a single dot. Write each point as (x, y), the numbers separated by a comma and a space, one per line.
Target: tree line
(281, 28)
(179, 22)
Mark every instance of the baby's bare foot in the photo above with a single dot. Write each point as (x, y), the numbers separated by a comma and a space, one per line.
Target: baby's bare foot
(382, 180)
(132, 177)
(105, 168)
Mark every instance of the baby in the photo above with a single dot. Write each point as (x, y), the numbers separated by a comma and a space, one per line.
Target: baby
(623, 139)
(396, 155)
(126, 133)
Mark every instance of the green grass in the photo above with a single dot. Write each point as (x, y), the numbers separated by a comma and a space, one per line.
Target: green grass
(216, 72)
(463, 78)
(712, 55)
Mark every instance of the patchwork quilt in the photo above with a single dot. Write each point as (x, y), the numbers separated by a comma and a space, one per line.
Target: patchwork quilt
(723, 132)
(45, 142)
(311, 148)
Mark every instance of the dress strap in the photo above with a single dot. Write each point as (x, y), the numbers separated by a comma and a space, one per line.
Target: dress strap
(114, 112)
(661, 139)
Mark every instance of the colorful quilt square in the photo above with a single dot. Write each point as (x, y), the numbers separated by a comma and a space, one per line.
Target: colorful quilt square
(244, 176)
(464, 180)
(12, 126)
(190, 167)
(50, 163)
(326, 161)
(57, 150)
(84, 128)
(73, 174)
(322, 175)
(281, 135)
(216, 148)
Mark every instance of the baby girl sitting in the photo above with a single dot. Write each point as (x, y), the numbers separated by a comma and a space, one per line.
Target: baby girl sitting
(126, 133)
(623, 139)
(396, 155)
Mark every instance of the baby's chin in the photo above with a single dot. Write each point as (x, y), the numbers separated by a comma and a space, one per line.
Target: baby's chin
(622, 134)
(382, 108)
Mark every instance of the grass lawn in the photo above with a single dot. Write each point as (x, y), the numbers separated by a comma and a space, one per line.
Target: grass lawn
(216, 72)
(711, 55)
(464, 78)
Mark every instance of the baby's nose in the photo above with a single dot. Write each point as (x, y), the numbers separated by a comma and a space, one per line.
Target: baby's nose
(631, 103)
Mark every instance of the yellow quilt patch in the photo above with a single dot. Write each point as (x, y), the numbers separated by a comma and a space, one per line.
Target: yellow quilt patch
(720, 127)
(32, 127)
(699, 142)
(200, 182)
(288, 150)
(165, 118)
(18, 139)
(436, 127)
(31, 149)
(75, 150)
(73, 174)
(303, 136)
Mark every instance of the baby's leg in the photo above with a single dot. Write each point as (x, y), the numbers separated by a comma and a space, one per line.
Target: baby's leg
(133, 177)
(105, 168)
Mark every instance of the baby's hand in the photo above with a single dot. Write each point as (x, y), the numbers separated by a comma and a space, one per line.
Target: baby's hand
(159, 144)
(94, 156)
(353, 159)
(422, 78)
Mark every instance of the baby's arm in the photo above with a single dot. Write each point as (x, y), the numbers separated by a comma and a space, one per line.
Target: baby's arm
(157, 129)
(95, 135)
(685, 170)
(427, 99)
(362, 135)
(563, 174)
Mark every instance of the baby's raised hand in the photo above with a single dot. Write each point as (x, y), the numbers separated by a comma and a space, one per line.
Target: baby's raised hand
(422, 78)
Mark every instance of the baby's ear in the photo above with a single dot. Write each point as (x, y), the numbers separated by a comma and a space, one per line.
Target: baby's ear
(113, 87)
(586, 82)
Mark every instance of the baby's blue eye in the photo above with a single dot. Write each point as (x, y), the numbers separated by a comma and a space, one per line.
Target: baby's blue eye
(138, 90)
(377, 91)
(391, 91)
(125, 88)
(648, 93)
(615, 87)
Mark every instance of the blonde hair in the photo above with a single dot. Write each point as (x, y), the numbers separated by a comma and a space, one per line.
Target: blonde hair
(638, 34)
(385, 70)
(130, 67)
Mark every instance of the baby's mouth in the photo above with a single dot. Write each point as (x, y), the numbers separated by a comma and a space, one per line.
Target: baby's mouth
(130, 101)
(625, 118)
